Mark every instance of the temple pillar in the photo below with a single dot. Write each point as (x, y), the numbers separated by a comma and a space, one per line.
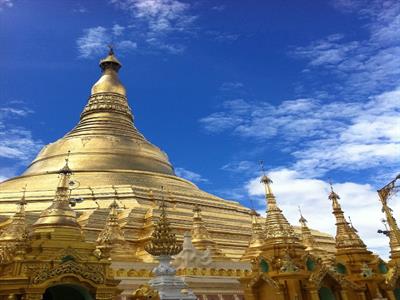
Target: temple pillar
(313, 295)
(280, 295)
(390, 295)
(343, 294)
(249, 295)
(361, 296)
(33, 296)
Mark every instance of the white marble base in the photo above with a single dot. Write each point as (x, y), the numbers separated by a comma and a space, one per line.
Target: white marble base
(168, 285)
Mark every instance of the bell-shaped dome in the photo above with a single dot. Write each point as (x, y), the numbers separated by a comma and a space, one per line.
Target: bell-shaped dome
(109, 82)
(105, 138)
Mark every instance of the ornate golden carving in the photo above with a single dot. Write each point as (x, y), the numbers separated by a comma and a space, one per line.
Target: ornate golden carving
(163, 240)
(90, 272)
(145, 292)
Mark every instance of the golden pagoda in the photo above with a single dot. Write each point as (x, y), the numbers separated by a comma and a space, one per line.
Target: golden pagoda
(106, 220)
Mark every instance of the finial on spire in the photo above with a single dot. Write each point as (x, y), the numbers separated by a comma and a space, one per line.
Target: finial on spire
(330, 184)
(22, 201)
(351, 224)
(114, 205)
(332, 195)
(111, 49)
(266, 181)
(302, 220)
(66, 169)
(110, 62)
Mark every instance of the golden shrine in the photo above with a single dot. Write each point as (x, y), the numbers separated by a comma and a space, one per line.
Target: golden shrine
(88, 214)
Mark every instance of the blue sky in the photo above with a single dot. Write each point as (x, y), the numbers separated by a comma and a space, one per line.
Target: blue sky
(310, 87)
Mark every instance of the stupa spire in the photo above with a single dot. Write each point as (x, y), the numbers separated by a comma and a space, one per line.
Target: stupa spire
(277, 228)
(14, 238)
(109, 81)
(112, 234)
(59, 213)
(256, 240)
(17, 229)
(346, 235)
(394, 232)
(306, 236)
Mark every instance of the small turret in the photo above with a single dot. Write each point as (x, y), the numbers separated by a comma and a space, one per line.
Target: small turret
(306, 236)
(256, 240)
(346, 236)
(60, 213)
(13, 240)
(111, 235)
(277, 228)
(201, 238)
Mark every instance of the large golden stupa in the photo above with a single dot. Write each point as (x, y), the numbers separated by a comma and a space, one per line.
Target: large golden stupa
(111, 159)
(96, 205)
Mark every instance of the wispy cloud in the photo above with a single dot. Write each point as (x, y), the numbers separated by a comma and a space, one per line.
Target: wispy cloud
(353, 135)
(94, 41)
(17, 145)
(221, 36)
(152, 26)
(370, 65)
(161, 24)
(79, 9)
(353, 123)
(229, 86)
(218, 7)
(241, 167)
(5, 4)
(359, 201)
(190, 175)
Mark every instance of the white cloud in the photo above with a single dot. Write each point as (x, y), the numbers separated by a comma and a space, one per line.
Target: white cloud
(229, 86)
(366, 66)
(189, 175)
(221, 36)
(94, 41)
(241, 167)
(321, 136)
(161, 15)
(360, 201)
(218, 7)
(118, 30)
(17, 145)
(79, 9)
(126, 45)
(5, 4)
(158, 20)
